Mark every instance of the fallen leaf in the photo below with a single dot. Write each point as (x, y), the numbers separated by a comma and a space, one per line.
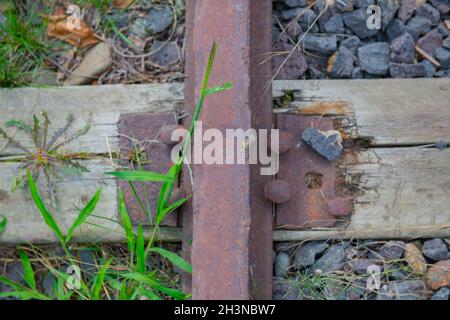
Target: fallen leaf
(81, 36)
(122, 4)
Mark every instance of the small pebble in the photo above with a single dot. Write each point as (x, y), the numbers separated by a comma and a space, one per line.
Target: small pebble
(420, 25)
(441, 294)
(441, 145)
(335, 25)
(351, 43)
(430, 69)
(403, 290)
(388, 11)
(343, 66)
(332, 260)
(326, 44)
(282, 264)
(305, 255)
(430, 42)
(296, 3)
(435, 249)
(374, 58)
(158, 19)
(442, 5)
(402, 49)
(327, 144)
(404, 70)
(429, 12)
(167, 55)
(443, 56)
(393, 250)
(357, 22)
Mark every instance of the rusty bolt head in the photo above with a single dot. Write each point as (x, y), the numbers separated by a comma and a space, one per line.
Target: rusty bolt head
(277, 191)
(285, 142)
(165, 134)
(340, 206)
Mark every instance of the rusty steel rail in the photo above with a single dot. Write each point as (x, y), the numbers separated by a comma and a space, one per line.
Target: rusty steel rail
(231, 229)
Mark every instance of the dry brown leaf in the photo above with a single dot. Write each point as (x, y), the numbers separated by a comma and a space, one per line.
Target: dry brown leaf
(83, 37)
(122, 4)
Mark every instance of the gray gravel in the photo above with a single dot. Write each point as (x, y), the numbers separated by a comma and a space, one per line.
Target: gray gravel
(403, 290)
(305, 255)
(402, 49)
(441, 294)
(405, 70)
(374, 58)
(324, 44)
(158, 19)
(388, 52)
(332, 260)
(168, 53)
(392, 250)
(346, 270)
(435, 249)
(282, 264)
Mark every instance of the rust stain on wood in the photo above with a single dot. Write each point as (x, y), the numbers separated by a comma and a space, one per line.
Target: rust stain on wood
(326, 108)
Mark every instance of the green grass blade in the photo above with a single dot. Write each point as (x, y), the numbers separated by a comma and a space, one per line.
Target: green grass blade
(214, 90)
(127, 225)
(166, 190)
(150, 295)
(36, 132)
(163, 213)
(19, 125)
(59, 286)
(20, 291)
(161, 198)
(123, 294)
(203, 93)
(140, 176)
(48, 218)
(142, 278)
(12, 284)
(3, 223)
(28, 273)
(136, 196)
(121, 35)
(99, 281)
(174, 258)
(84, 214)
(24, 295)
(140, 252)
(144, 186)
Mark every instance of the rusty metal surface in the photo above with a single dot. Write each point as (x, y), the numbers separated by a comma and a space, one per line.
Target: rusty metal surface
(232, 239)
(165, 134)
(260, 255)
(189, 101)
(340, 206)
(312, 179)
(277, 191)
(155, 156)
(285, 142)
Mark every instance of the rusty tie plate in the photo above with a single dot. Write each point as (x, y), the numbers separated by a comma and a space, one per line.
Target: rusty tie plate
(155, 156)
(312, 179)
(232, 221)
